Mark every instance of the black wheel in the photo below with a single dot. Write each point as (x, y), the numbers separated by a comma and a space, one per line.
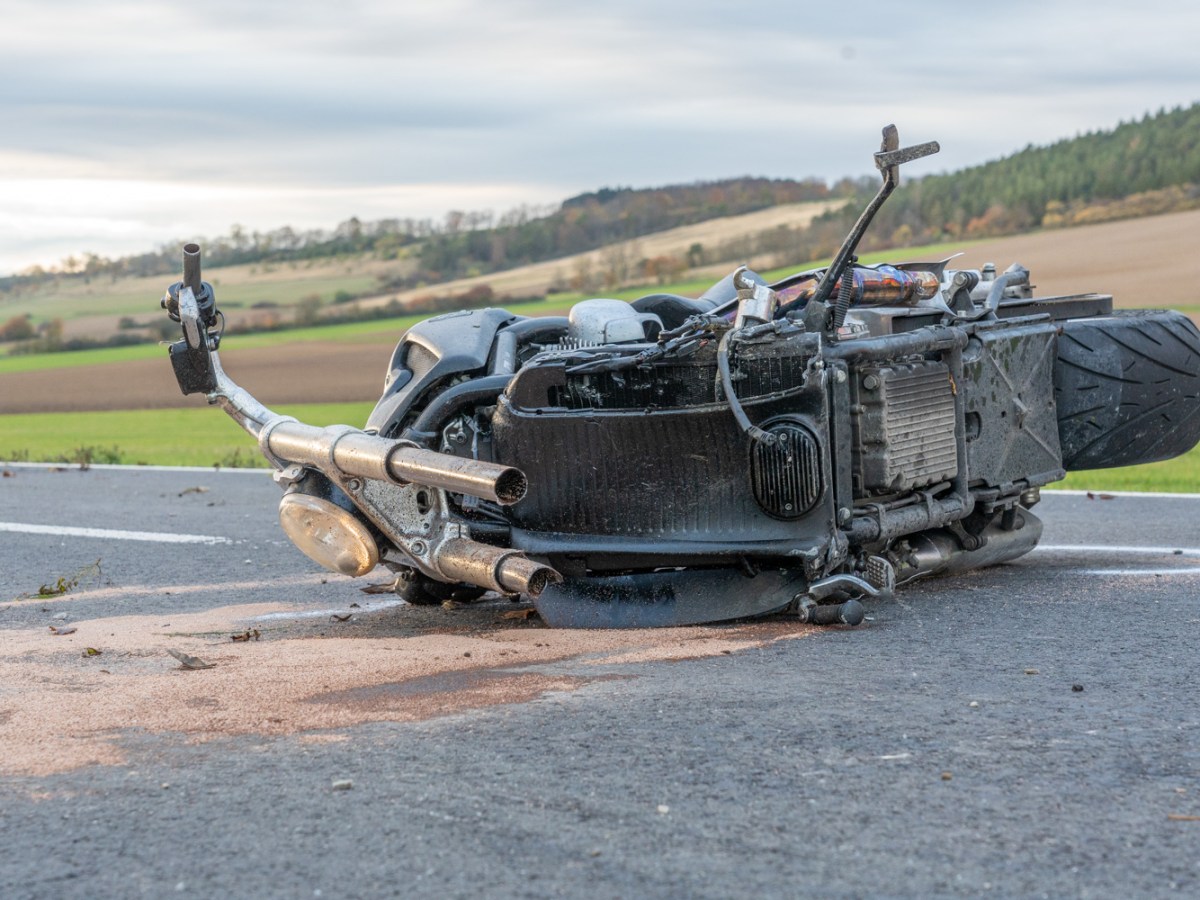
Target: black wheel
(421, 590)
(1127, 387)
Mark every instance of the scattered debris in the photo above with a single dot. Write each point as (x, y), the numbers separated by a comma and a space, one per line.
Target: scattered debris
(522, 614)
(342, 784)
(1176, 817)
(63, 629)
(59, 617)
(974, 704)
(66, 583)
(1092, 496)
(198, 489)
(947, 776)
(9, 473)
(383, 587)
(355, 606)
(1077, 688)
(1032, 672)
(190, 662)
(663, 809)
(452, 604)
(252, 634)
(91, 651)
(346, 618)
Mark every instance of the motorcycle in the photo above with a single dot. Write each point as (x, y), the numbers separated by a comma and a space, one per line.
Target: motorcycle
(794, 446)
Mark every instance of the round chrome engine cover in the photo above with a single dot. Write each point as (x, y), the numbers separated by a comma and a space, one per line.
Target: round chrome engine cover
(328, 535)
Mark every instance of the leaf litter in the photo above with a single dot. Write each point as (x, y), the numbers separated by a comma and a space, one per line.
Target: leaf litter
(190, 662)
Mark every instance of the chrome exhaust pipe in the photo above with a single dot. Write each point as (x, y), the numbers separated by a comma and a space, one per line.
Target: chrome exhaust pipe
(342, 450)
(506, 571)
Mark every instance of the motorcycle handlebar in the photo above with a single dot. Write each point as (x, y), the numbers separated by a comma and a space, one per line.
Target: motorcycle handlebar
(191, 267)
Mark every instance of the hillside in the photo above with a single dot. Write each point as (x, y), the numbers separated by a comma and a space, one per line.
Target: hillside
(1143, 262)
(612, 239)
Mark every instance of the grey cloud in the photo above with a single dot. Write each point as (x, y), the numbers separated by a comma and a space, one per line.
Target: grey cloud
(538, 92)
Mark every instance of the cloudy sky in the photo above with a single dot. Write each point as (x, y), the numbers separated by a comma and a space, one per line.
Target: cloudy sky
(124, 126)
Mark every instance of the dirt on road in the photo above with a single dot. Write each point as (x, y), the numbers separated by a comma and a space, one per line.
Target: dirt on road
(63, 705)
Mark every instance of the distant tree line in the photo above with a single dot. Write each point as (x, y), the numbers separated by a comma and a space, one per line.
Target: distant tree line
(464, 242)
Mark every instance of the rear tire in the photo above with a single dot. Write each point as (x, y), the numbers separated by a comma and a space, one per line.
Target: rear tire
(1127, 387)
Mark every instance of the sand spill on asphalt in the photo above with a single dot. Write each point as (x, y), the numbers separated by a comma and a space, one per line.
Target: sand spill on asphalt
(61, 709)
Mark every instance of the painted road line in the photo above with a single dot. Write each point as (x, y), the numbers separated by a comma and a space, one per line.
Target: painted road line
(114, 467)
(334, 611)
(1104, 548)
(1140, 573)
(146, 590)
(112, 534)
(1095, 493)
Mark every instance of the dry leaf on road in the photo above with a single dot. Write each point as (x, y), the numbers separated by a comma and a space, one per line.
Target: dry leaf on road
(190, 662)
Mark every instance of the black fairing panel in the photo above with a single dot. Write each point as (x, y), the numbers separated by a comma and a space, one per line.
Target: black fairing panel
(641, 482)
(451, 344)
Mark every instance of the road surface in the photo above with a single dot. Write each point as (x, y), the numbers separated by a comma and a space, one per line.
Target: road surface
(1031, 730)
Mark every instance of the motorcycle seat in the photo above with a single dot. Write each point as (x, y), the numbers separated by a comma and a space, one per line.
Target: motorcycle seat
(672, 309)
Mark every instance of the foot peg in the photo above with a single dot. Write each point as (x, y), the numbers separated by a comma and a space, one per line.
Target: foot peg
(880, 581)
(850, 612)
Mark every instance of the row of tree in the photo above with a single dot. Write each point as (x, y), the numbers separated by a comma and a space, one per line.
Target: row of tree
(1034, 187)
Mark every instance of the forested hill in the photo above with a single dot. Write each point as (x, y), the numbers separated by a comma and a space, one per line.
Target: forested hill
(1137, 168)
(595, 219)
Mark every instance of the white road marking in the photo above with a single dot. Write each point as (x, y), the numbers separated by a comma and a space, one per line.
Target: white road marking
(322, 613)
(1096, 493)
(1140, 573)
(146, 590)
(1116, 549)
(113, 467)
(113, 534)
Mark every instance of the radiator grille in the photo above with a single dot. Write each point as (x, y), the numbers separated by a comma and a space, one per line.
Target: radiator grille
(787, 475)
(905, 429)
(669, 475)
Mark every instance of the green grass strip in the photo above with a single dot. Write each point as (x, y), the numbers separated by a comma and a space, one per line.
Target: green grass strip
(350, 332)
(168, 437)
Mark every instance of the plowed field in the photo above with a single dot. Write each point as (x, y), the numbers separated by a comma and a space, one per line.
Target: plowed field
(1148, 262)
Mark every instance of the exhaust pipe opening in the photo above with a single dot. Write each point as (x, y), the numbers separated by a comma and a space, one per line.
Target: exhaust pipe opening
(511, 486)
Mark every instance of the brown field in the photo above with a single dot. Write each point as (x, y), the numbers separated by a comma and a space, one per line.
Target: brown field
(1142, 262)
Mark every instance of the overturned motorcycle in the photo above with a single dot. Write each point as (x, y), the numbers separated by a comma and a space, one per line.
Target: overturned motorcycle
(764, 447)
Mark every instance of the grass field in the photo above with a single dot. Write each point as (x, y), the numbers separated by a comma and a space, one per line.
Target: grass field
(347, 331)
(1144, 262)
(205, 437)
(236, 287)
(178, 437)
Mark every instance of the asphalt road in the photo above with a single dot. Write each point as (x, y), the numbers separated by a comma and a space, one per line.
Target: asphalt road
(912, 756)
